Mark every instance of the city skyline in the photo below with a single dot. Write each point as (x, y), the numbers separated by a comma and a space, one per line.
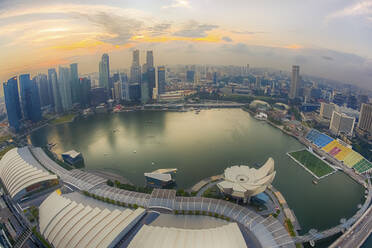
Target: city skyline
(332, 42)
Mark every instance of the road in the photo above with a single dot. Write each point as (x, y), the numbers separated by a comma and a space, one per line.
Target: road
(357, 234)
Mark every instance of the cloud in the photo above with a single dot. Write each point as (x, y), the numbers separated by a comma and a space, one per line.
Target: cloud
(178, 4)
(227, 38)
(238, 48)
(327, 58)
(247, 32)
(194, 29)
(159, 29)
(357, 9)
(119, 29)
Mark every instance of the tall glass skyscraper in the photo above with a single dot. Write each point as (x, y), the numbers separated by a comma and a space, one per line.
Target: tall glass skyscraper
(42, 83)
(75, 92)
(135, 70)
(52, 76)
(64, 84)
(161, 79)
(104, 72)
(13, 107)
(85, 87)
(30, 98)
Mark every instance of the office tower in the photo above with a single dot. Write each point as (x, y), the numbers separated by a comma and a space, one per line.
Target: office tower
(117, 91)
(365, 118)
(135, 92)
(104, 72)
(190, 76)
(352, 102)
(161, 79)
(85, 88)
(339, 99)
(326, 110)
(75, 84)
(64, 83)
(13, 107)
(52, 76)
(98, 96)
(295, 82)
(135, 70)
(30, 98)
(145, 89)
(342, 124)
(149, 59)
(151, 80)
(124, 86)
(258, 82)
(214, 77)
(42, 83)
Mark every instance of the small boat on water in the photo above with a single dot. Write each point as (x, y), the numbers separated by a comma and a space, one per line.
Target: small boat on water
(134, 151)
(153, 163)
(315, 182)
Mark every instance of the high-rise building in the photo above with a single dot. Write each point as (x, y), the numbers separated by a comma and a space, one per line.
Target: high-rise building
(104, 72)
(85, 88)
(75, 84)
(42, 83)
(13, 107)
(135, 92)
(161, 79)
(30, 98)
(135, 70)
(190, 76)
(151, 79)
(258, 82)
(52, 76)
(326, 110)
(98, 96)
(64, 83)
(295, 82)
(342, 124)
(365, 118)
(117, 91)
(149, 59)
(145, 89)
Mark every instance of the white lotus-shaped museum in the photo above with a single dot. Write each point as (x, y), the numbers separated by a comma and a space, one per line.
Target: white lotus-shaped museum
(240, 181)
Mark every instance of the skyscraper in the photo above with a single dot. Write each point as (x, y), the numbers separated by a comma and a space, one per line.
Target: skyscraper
(135, 70)
(85, 88)
(365, 119)
(42, 83)
(117, 91)
(161, 79)
(326, 110)
(149, 59)
(75, 92)
(295, 81)
(52, 76)
(13, 107)
(104, 72)
(151, 79)
(190, 76)
(30, 98)
(64, 83)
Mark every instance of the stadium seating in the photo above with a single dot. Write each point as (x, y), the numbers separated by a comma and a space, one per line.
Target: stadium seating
(318, 138)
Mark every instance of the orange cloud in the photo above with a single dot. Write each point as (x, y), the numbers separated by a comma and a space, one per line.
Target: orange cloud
(143, 38)
(294, 46)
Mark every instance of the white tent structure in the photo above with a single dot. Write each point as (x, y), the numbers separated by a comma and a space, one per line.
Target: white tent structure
(22, 174)
(228, 235)
(66, 223)
(242, 182)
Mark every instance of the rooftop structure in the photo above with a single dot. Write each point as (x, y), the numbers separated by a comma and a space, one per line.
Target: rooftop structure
(160, 178)
(72, 157)
(66, 223)
(22, 174)
(243, 182)
(155, 236)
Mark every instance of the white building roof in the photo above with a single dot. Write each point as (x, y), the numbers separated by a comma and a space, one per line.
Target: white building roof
(159, 176)
(19, 170)
(72, 153)
(168, 237)
(242, 180)
(66, 223)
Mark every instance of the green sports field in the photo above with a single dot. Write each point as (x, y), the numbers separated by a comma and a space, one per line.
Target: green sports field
(311, 162)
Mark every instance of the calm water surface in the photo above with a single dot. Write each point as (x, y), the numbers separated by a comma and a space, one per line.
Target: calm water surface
(200, 146)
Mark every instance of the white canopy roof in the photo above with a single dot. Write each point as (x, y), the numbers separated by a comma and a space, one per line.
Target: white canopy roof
(168, 237)
(19, 170)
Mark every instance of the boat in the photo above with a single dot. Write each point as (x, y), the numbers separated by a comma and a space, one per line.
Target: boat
(261, 116)
(134, 151)
(153, 163)
(315, 182)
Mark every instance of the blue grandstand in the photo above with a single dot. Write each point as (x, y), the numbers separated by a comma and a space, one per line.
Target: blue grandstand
(318, 138)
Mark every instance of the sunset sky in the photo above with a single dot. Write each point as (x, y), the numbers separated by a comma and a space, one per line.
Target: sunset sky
(328, 38)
